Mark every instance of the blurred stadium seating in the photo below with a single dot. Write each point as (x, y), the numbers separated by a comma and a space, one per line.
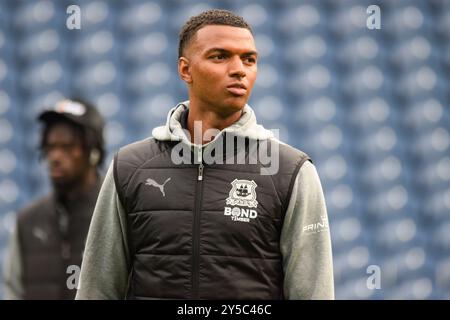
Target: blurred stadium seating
(371, 107)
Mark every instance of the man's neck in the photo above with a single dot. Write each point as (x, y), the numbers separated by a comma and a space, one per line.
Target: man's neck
(70, 193)
(209, 120)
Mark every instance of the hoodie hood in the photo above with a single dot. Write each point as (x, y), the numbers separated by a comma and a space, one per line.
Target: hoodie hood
(246, 126)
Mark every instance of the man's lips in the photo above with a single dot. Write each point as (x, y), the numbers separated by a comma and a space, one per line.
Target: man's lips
(56, 172)
(237, 89)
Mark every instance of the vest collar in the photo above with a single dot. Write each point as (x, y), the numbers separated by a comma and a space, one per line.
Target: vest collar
(246, 126)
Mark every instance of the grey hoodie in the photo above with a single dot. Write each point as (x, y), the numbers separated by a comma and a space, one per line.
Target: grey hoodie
(305, 247)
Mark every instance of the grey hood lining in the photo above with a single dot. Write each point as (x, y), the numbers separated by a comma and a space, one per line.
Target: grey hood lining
(246, 126)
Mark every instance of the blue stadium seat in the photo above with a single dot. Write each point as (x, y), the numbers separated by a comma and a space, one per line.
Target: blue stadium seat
(424, 114)
(343, 199)
(315, 80)
(30, 17)
(42, 45)
(37, 179)
(440, 239)
(439, 5)
(398, 234)
(96, 76)
(371, 113)
(407, 20)
(9, 105)
(184, 11)
(405, 265)
(42, 100)
(44, 75)
(145, 48)
(350, 262)
(312, 113)
(143, 17)
(369, 80)
(11, 194)
(7, 73)
(310, 49)
(379, 143)
(360, 51)
(445, 56)
(348, 20)
(300, 19)
(269, 108)
(385, 173)
(328, 140)
(442, 22)
(10, 164)
(336, 169)
(4, 16)
(149, 112)
(8, 137)
(95, 15)
(392, 6)
(5, 44)
(412, 52)
(431, 143)
(268, 80)
(109, 104)
(415, 288)
(434, 176)
(347, 232)
(420, 82)
(94, 46)
(257, 14)
(436, 204)
(442, 272)
(267, 47)
(150, 78)
(356, 289)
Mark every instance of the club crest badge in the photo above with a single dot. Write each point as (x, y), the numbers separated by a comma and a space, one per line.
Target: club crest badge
(243, 193)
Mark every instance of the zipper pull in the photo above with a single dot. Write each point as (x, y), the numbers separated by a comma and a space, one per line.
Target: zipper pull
(200, 155)
(200, 172)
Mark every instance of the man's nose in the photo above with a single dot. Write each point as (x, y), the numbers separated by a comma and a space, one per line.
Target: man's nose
(54, 155)
(236, 68)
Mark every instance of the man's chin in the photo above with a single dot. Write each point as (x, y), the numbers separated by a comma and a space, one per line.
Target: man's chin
(61, 183)
(235, 104)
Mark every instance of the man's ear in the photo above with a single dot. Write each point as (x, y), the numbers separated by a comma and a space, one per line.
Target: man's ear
(184, 70)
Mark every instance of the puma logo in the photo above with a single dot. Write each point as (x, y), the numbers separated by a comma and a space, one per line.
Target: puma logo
(151, 182)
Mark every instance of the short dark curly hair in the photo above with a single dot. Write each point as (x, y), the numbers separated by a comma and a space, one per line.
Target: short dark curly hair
(209, 17)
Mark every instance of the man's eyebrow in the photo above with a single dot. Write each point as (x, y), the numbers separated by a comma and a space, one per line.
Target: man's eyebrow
(250, 53)
(222, 50)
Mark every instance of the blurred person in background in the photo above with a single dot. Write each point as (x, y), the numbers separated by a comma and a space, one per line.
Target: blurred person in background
(50, 233)
(162, 229)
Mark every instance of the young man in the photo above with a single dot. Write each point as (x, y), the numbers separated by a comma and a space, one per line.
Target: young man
(170, 224)
(50, 233)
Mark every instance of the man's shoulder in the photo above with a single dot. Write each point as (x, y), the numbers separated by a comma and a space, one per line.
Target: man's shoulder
(137, 145)
(136, 153)
(289, 151)
(37, 207)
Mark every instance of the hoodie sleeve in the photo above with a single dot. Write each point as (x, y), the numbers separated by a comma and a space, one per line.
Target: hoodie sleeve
(106, 262)
(13, 268)
(305, 240)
